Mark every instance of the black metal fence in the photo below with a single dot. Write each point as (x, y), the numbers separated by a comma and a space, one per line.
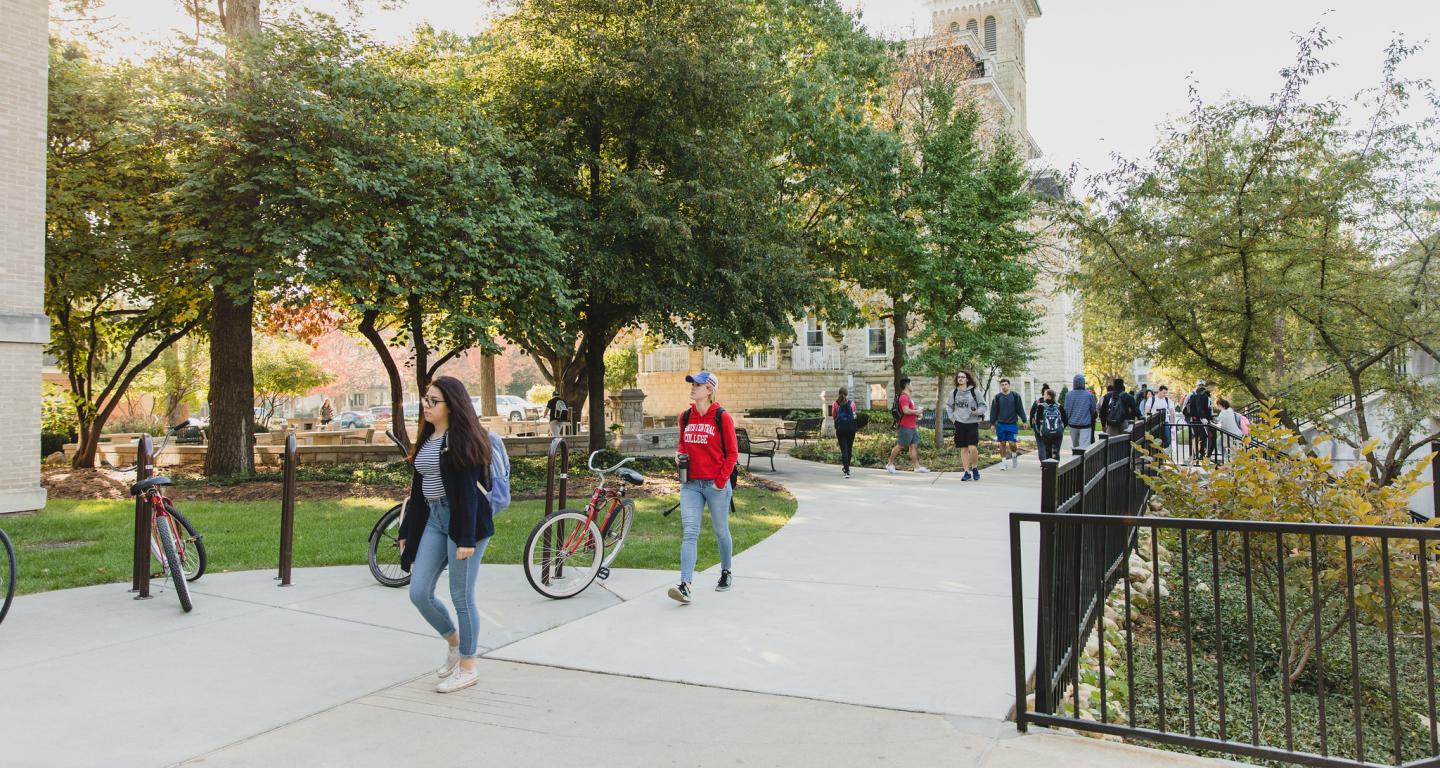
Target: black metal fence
(1304, 643)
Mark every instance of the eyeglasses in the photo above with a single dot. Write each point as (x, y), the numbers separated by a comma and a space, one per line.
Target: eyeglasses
(431, 401)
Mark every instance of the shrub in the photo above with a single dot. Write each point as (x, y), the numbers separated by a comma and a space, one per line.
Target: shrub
(52, 442)
(1273, 479)
(540, 393)
(57, 412)
(788, 414)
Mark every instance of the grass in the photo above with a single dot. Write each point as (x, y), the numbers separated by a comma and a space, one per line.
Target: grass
(74, 543)
(873, 444)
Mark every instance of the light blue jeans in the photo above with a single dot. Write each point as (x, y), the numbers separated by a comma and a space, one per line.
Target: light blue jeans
(694, 496)
(436, 553)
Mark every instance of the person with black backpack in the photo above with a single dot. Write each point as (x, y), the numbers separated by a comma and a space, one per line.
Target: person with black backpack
(1198, 412)
(843, 412)
(1049, 422)
(557, 412)
(710, 451)
(1118, 408)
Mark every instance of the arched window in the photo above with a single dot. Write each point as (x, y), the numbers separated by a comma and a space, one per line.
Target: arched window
(973, 27)
(954, 27)
(990, 33)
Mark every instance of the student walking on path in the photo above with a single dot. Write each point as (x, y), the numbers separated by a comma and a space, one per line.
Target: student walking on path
(1080, 413)
(1229, 429)
(1007, 410)
(842, 411)
(967, 410)
(1160, 403)
(1198, 413)
(707, 443)
(557, 413)
(1049, 423)
(907, 428)
(1118, 408)
(448, 523)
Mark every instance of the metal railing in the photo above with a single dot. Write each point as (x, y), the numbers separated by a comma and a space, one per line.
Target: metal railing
(1306, 643)
(291, 460)
(140, 568)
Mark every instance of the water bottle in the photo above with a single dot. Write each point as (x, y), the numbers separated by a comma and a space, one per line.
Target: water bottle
(682, 460)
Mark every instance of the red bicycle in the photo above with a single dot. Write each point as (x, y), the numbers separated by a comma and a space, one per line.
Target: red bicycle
(568, 550)
(173, 540)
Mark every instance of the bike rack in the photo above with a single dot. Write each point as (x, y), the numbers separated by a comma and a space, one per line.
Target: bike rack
(140, 571)
(290, 461)
(560, 446)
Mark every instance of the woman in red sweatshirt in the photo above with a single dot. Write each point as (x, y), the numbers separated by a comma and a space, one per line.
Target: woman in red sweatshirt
(707, 440)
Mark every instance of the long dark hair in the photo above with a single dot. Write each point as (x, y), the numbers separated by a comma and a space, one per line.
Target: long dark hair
(467, 443)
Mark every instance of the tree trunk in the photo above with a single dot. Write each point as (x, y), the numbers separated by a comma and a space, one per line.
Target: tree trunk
(902, 331)
(939, 411)
(487, 386)
(392, 375)
(595, 342)
(232, 385)
(88, 444)
(232, 373)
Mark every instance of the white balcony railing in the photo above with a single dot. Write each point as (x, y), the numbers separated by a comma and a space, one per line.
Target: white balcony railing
(665, 360)
(758, 361)
(816, 359)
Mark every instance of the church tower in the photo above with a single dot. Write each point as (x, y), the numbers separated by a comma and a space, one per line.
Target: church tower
(994, 30)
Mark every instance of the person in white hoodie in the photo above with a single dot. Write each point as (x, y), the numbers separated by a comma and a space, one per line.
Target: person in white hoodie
(1228, 424)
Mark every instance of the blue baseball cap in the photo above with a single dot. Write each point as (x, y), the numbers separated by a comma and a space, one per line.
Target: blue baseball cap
(704, 377)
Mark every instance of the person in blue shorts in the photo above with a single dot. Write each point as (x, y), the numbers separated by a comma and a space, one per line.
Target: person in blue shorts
(1008, 413)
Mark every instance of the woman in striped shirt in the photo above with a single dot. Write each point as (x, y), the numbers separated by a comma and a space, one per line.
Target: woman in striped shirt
(448, 522)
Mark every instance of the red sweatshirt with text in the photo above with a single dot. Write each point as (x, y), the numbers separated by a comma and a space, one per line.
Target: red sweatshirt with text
(701, 443)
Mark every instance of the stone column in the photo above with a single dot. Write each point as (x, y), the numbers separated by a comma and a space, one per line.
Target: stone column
(629, 405)
(24, 329)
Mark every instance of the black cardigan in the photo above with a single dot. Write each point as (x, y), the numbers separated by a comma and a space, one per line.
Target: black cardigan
(470, 517)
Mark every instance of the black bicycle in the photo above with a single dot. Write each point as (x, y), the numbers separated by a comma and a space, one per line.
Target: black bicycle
(384, 555)
(7, 574)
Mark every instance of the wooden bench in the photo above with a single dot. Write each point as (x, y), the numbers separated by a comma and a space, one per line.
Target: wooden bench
(803, 429)
(765, 449)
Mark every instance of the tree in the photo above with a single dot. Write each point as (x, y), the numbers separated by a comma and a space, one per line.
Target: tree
(972, 279)
(622, 368)
(284, 370)
(1287, 252)
(118, 292)
(665, 133)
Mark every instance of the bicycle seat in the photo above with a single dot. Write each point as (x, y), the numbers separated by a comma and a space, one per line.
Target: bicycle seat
(630, 476)
(148, 483)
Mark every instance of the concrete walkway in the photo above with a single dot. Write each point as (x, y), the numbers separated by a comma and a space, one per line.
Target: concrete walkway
(874, 627)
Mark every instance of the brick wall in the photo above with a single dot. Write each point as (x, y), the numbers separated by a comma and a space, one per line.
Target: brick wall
(23, 327)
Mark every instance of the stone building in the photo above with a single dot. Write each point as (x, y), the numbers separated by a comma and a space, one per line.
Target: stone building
(795, 372)
(24, 329)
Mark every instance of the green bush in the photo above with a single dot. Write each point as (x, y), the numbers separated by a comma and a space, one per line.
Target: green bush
(788, 414)
(52, 442)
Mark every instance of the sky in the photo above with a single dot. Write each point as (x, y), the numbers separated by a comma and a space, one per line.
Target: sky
(1101, 73)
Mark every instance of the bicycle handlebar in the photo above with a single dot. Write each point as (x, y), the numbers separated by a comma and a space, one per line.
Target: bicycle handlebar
(403, 452)
(599, 471)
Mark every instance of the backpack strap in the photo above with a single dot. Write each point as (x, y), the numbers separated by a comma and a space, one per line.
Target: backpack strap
(720, 429)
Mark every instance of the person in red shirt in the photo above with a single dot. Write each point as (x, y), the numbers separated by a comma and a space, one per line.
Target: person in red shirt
(908, 430)
(707, 442)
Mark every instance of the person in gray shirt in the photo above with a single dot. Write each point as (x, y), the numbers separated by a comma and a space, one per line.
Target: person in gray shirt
(1080, 410)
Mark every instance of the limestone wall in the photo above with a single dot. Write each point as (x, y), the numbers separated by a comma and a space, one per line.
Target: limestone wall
(24, 328)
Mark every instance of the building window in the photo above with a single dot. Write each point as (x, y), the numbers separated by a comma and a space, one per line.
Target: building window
(357, 400)
(990, 33)
(875, 345)
(973, 27)
(814, 332)
(954, 27)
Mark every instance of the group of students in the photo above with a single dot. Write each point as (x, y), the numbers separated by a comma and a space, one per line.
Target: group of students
(461, 481)
(1120, 408)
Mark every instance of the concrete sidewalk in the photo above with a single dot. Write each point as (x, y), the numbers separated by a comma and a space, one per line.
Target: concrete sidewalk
(874, 627)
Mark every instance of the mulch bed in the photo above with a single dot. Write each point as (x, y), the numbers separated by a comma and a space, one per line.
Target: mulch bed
(104, 484)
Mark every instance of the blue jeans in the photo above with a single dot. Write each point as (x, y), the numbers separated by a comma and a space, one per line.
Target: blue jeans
(694, 495)
(436, 552)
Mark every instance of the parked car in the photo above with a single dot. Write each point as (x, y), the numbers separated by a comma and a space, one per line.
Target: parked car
(353, 420)
(412, 410)
(380, 413)
(511, 407)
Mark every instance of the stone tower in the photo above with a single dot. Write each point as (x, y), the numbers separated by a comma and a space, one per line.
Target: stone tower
(998, 30)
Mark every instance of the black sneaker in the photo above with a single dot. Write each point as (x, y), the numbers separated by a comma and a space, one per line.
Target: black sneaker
(680, 593)
(724, 583)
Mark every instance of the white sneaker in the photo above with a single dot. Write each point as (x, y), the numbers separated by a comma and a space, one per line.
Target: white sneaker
(1015, 461)
(890, 468)
(921, 470)
(452, 660)
(1004, 464)
(461, 678)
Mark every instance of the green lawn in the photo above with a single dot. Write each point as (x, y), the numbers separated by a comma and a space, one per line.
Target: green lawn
(77, 543)
(873, 444)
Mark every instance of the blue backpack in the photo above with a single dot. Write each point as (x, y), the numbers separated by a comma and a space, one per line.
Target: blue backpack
(845, 415)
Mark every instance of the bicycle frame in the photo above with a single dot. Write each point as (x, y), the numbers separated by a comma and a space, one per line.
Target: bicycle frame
(158, 514)
(614, 496)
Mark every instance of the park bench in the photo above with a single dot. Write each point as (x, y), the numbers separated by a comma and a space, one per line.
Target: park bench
(803, 429)
(764, 449)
